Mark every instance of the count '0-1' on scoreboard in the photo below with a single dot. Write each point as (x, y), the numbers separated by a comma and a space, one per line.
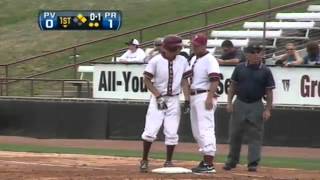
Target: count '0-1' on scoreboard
(80, 20)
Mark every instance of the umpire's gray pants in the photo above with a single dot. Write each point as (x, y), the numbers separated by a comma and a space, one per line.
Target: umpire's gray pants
(246, 119)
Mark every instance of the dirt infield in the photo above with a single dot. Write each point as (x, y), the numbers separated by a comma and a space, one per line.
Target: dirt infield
(17, 165)
(27, 166)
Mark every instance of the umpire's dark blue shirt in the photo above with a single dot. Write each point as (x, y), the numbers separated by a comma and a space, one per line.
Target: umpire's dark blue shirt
(252, 81)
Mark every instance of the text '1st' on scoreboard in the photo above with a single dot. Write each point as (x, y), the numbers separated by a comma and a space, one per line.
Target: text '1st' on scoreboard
(80, 20)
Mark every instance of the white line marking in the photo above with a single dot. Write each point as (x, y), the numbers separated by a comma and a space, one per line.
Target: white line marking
(248, 175)
(54, 165)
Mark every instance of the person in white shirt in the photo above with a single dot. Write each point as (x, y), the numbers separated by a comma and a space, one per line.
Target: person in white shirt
(134, 54)
(155, 50)
(204, 80)
(164, 78)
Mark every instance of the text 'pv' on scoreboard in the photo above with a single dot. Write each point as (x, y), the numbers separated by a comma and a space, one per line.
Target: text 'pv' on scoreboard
(80, 20)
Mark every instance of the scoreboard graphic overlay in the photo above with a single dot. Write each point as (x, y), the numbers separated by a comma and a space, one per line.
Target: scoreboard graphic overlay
(80, 20)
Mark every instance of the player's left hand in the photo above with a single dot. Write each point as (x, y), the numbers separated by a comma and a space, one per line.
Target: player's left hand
(266, 114)
(209, 104)
(161, 102)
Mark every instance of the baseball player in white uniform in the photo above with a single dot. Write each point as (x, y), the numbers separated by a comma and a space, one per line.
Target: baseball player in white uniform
(204, 80)
(163, 77)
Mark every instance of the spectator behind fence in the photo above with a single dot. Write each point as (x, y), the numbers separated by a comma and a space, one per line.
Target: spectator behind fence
(155, 51)
(291, 57)
(134, 54)
(313, 54)
(230, 55)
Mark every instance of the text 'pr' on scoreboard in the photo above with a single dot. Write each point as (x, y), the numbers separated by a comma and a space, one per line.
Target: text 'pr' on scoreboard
(80, 20)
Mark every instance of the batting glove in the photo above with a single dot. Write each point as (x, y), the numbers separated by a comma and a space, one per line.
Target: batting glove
(161, 103)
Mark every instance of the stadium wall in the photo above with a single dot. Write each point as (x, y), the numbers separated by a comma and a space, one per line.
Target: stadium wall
(113, 120)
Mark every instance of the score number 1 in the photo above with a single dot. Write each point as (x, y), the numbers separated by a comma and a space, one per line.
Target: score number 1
(111, 16)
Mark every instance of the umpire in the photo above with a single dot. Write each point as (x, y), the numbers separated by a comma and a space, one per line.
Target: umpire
(250, 81)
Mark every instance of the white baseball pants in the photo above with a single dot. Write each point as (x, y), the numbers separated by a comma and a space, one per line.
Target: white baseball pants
(170, 118)
(202, 123)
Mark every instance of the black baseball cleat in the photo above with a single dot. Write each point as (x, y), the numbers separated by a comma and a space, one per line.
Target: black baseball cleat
(204, 168)
(229, 166)
(143, 166)
(168, 164)
(252, 167)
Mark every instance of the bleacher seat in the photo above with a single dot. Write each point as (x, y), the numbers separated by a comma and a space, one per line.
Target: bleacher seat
(245, 34)
(218, 42)
(186, 42)
(280, 25)
(115, 59)
(284, 26)
(188, 51)
(85, 69)
(298, 16)
(249, 35)
(314, 8)
(235, 42)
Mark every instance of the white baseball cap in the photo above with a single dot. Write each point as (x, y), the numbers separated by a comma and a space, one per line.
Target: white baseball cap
(133, 42)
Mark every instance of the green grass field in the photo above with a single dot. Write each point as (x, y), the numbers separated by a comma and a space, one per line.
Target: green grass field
(297, 163)
(21, 36)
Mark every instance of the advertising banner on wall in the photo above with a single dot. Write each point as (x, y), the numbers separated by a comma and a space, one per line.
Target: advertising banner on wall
(294, 86)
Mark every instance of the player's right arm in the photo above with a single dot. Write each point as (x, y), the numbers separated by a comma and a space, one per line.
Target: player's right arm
(150, 86)
(187, 73)
(213, 72)
(148, 74)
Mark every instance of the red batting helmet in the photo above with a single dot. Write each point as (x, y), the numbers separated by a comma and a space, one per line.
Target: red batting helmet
(172, 43)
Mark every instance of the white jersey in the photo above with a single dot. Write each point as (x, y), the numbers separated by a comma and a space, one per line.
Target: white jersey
(137, 56)
(204, 69)
(167, 75)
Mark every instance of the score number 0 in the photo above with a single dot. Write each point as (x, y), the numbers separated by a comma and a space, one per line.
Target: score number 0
(49, 23)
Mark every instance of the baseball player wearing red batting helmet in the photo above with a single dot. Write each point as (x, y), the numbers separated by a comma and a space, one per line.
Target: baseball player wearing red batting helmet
(166, 70)
(204, 80)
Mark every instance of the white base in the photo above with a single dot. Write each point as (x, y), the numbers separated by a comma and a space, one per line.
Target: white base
(171, 170)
